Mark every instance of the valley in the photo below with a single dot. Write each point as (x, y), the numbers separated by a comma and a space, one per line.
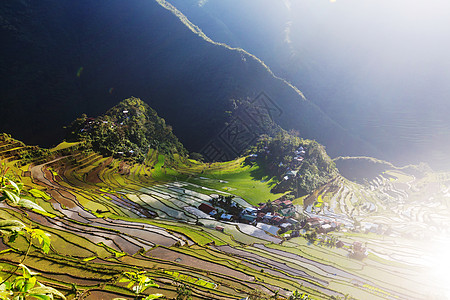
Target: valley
(106, 216)
(296, 164)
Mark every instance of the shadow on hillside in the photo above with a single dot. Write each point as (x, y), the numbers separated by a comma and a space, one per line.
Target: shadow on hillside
(362, 169)
(259, 173)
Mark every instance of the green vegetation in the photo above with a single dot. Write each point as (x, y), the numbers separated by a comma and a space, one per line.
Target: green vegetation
(139, 282)
(125, 229)
(129, 129)
(17, 151)
(25, 286)
(12, 192)
(281, 156)
(130, 226)
(247, 181)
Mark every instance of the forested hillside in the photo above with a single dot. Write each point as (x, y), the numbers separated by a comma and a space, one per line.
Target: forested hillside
(378, 68)
(129, 130)
(64, 58)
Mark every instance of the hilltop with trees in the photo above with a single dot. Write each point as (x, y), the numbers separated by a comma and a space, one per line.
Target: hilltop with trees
(129, 130)
(301, 165)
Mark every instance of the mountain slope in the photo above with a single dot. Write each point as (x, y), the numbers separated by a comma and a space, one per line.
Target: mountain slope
(372, 66)
(101, 218)
(82, 57)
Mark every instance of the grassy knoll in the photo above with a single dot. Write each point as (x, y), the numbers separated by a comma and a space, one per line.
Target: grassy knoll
(64, 145)
(247, 182)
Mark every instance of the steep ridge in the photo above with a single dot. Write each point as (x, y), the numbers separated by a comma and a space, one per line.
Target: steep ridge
(375, 78)
(84, 57)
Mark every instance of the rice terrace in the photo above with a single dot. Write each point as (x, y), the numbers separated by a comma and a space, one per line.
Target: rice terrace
(97, 226)
(224, 150)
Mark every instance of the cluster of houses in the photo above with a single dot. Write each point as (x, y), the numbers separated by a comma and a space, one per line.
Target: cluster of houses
(279, 213)
(290, 168)
(91, 121)
(299, 156)
(321, 225)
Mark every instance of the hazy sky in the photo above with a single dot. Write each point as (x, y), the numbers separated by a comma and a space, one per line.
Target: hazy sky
(380, 68)
(387, 62)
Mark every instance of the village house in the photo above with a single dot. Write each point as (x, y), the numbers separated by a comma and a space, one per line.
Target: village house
(249, 214)
(291, 174)
(249, 211)
(286, 226)
(226, 217)
(248, 218)
(292, 221)
(314, 222)
(286, 203)
(325, 228)
(277, 220)
(267, 218)
(207, 209)
(358, 251)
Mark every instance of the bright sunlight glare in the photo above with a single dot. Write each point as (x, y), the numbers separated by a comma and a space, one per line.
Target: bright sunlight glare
(438, 263)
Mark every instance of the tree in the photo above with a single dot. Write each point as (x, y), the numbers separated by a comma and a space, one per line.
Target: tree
(184, 292)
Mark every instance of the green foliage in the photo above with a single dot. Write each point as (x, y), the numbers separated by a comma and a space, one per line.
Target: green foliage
(296, 295)
(311, 237)
(316, 170)
(11, 191)
(279, 154)
(32, 153)
(19, 151)
(10, 227)
(13, 228)
(128, 130)
(42, 237)
(27, 287)
(139, 282)
(184, 292)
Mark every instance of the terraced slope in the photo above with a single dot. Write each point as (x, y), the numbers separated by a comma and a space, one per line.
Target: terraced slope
(106, 217)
